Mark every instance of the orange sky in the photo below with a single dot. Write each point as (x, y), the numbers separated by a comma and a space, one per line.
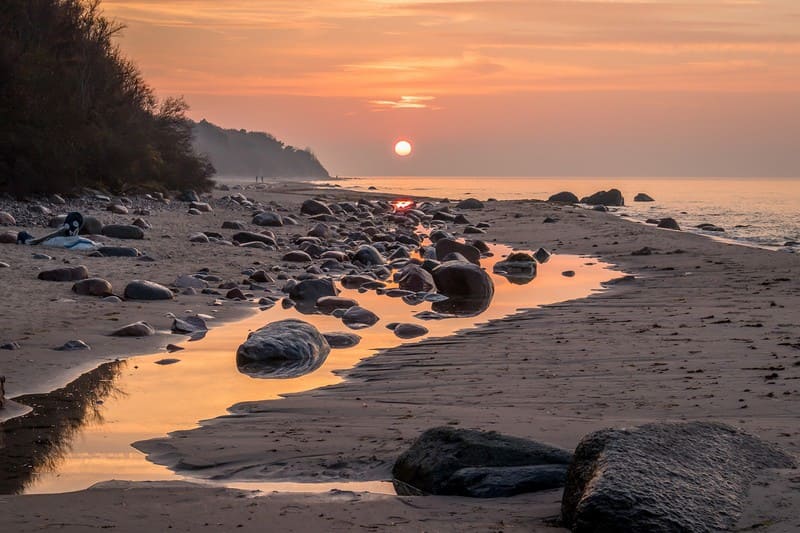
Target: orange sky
(518, 87)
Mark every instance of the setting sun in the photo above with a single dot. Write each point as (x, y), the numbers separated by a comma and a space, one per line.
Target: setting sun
(402, 148)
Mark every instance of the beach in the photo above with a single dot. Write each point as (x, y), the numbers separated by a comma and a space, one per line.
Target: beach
(689, 329)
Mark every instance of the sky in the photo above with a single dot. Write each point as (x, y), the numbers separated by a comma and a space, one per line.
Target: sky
(489, 87)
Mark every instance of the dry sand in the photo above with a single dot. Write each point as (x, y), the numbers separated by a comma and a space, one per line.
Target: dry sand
(703, 331)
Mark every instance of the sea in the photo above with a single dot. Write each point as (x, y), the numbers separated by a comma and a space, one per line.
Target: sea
(752, 211)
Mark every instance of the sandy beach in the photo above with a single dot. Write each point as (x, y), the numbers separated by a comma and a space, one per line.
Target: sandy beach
(692, 329)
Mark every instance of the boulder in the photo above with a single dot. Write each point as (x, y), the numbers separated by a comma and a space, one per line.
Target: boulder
(283, 349)
(357, 317)
(91, 226)
(234, 224)
(296, 256)
(643, 197)
(123, 231)
(669, 223)
(248, 236)
(328, 304)
(93, 287)
(564, 197)
(198, 238)
(137, 329)
(8, 237)
(470, 203)
(612, 197)
(306, 293)
(118, 251)
(369, 256)
(268, 218)
(64, 274)
(410, 331)
(147, 290)
(315, 207)
(414, 278)
(341, 339)
(447, 246)
(519, 268)
(664, 477)
(468, 287)
(482, 464)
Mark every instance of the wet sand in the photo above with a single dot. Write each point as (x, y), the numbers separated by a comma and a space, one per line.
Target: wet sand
(703, 331)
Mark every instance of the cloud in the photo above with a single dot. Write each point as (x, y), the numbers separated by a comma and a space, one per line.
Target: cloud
(404, 102)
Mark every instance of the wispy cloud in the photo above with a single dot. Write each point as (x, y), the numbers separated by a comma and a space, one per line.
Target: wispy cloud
(405, 102)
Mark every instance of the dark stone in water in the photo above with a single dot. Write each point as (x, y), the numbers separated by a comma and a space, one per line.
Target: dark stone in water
(564, 198)
(167, 361)
(469, 288)
(410, 331)
(669, 223)
(341, 339)
(357, 317)
(283, 349)
(643, 197)
(481, 464)
(611, 197)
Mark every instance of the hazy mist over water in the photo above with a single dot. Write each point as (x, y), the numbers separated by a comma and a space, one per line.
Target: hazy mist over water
(763, 212)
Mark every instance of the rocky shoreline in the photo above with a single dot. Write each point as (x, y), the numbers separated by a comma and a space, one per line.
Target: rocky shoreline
(674, 341)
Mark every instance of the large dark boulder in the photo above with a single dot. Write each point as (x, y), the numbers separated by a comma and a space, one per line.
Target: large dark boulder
(315, 207)
(669, 223)
(445, 247)
(519, 268)
(643, 197)
(664, 477)
(65, 274)
(369, 256)
(283, 349)
(470, 203)
(147, 290)
(123, 231)
(414, 278)
(612, 197)
(306, 293)
(469, 289)
(480, 464)
(268, 218)
(564, 197)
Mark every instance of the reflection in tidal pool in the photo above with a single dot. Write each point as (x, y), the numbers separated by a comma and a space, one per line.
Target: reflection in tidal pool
(82, 434)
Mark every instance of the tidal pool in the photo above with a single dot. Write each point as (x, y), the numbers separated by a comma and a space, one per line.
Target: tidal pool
(81, 434)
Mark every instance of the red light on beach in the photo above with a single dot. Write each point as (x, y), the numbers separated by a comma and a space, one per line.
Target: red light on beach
(401, 206)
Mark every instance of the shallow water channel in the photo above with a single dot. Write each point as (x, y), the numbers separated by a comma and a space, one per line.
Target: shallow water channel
(82, 434)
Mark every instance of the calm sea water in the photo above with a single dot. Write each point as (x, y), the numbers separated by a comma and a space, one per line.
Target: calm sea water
(761, 212)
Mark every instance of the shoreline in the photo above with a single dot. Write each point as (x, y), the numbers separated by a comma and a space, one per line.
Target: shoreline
(677, 364)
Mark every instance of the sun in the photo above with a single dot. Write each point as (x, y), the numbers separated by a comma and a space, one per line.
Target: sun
(402, 148)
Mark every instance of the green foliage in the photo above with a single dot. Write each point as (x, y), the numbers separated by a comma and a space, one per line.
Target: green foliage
(253, 153)
(74, 112)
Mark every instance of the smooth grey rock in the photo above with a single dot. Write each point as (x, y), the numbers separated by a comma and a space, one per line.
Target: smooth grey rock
(315, 207)
(268, 218)
(327, 304)
(137, 329)
(147, 290)
(189, 324)
(369, 256)
(519, 268)
(283, 349)
(357, 317)
(123, 231)
(118, 251)
(664, 477)
(74, 345)
(93, 287)
(199, 238)
(468, 462)
(564, 197)
(469, 289)
(234, 224)
(341, 339)
(296, 256)
(447, 246)
(410, 331)
(185, 281)
(414, 278)
(65, 274)
(612, 197)
(306, 293)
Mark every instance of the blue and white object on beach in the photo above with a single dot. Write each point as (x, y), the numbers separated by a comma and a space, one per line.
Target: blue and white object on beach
(72, 243)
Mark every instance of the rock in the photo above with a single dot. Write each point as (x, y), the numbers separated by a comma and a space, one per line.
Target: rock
(147, 290)
(10, 346)
(92, 287)
(8, 237)
(248, 236)
(466, 462)
(612, 197)
(518, 267)
(472, 230)
(315, 207)
(4, 265)
(414, 278)
(357, 317)
(268, 218)
(341, 339)
(118, 209)
(306, 293)
(172, 348)
(6, 219)
(112, 299)
(369, 256)
(297, 256)
(198, 237)
(190, 324)
(564, 197)
(91, 226)
(123, 231)
(260, 276)
(568, 273)
(664, 477)
(327, 304)
(185, 281)
(445, 247)
(203, 207)
(234, 224)
(469, 289)
(193, 211)
(284, 349)
(118, 251)
(64, 274)
(642, 197)
(669, 223)
(137, 329)
(710, 227)
(141, 223)
(167, 361)
(410, 331)
(188, 196)
(646, 250)
(44, 257)
(356, 281)
(470, 203)
(75, 345)
(542, 255)
(235, 294)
